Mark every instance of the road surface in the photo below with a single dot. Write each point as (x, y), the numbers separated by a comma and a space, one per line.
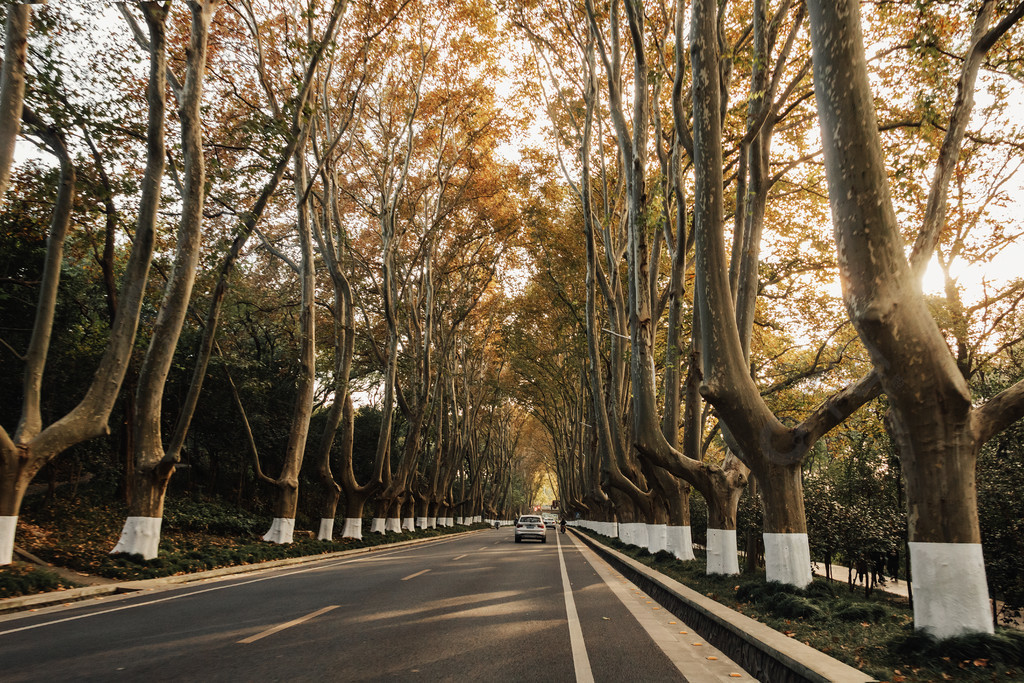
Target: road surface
(473, 607)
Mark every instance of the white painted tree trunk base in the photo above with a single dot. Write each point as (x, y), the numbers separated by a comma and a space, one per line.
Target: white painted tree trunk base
(282, 531)
(657, 538)
(8, 527)
(353, 528)
(140, 536)
(393, 525)
(377, 526)
(408, 524)
(459, 521)
(432, 522)
(421, 522)
(679, 542)
(787, 559)
(722, 556)
(633, 533)
(326, 532)
(449, 522)
(950, 590)
(478, 519)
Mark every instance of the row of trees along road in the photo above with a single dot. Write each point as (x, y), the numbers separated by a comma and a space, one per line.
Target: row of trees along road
(285, 211)
(670, 137)
(340, 155)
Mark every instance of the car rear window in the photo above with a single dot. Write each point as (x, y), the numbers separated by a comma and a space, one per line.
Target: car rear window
(529, 520)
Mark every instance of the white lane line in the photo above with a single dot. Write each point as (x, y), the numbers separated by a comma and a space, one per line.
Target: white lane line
(288, 624)
(272, 571)
(413, 576)
(580, 659)
(460, 557)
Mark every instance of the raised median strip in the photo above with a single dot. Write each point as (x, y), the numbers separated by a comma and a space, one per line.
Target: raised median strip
(763, 652)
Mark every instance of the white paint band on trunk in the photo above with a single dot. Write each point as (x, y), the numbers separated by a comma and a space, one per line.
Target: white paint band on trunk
(449, 521)
(393, 525)
(633, 533)
(421, 522)
(787, 559)
(282, 531)
(459, 521)
(657, 538)
(408, 524)
(140, 536)
(326, 532)
(377, 525)
(8, 527)
(353, 528)
(679, 542)
(722, 556)
(950, 590)
(432, 522)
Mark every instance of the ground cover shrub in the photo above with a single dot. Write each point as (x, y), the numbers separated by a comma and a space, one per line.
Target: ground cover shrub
(862, 612)
(20, 578)
(874, 634)
(211, 516)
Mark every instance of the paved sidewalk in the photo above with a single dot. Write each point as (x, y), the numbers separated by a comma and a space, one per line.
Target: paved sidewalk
(841, 574)
(901, 588)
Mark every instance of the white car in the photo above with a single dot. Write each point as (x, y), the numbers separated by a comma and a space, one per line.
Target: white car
(531, 526)
(549, 519)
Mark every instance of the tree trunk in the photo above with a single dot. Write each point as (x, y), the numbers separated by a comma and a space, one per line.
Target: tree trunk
(287, 483)
(354, 505)
(152, 466)
(722, 551)
(787, 553)
(931, 416)
(12, 86)
(282, 529)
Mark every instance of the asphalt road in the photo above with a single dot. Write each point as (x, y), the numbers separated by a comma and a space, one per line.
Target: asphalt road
(474, 607)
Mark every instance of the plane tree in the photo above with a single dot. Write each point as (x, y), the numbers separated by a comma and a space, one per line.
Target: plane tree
(141, 533)
(935, 424)
(32, 444)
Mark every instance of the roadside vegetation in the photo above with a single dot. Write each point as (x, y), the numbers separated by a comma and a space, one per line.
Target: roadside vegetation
(77, 533)
(873, 633)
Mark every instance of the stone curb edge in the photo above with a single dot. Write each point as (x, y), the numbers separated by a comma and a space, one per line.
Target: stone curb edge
(758, 648)
(23, 602)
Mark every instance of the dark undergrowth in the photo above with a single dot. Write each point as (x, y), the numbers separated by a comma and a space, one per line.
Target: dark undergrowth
(874, 634)
(78, 533)
(21, 578)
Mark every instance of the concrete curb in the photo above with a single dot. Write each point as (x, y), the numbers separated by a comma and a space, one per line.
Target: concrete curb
(765, 653)
(37, 600)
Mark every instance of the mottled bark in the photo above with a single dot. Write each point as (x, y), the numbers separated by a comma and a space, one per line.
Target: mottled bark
(287, 483)
(12, 86)
(153, 467)
(931, 416)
